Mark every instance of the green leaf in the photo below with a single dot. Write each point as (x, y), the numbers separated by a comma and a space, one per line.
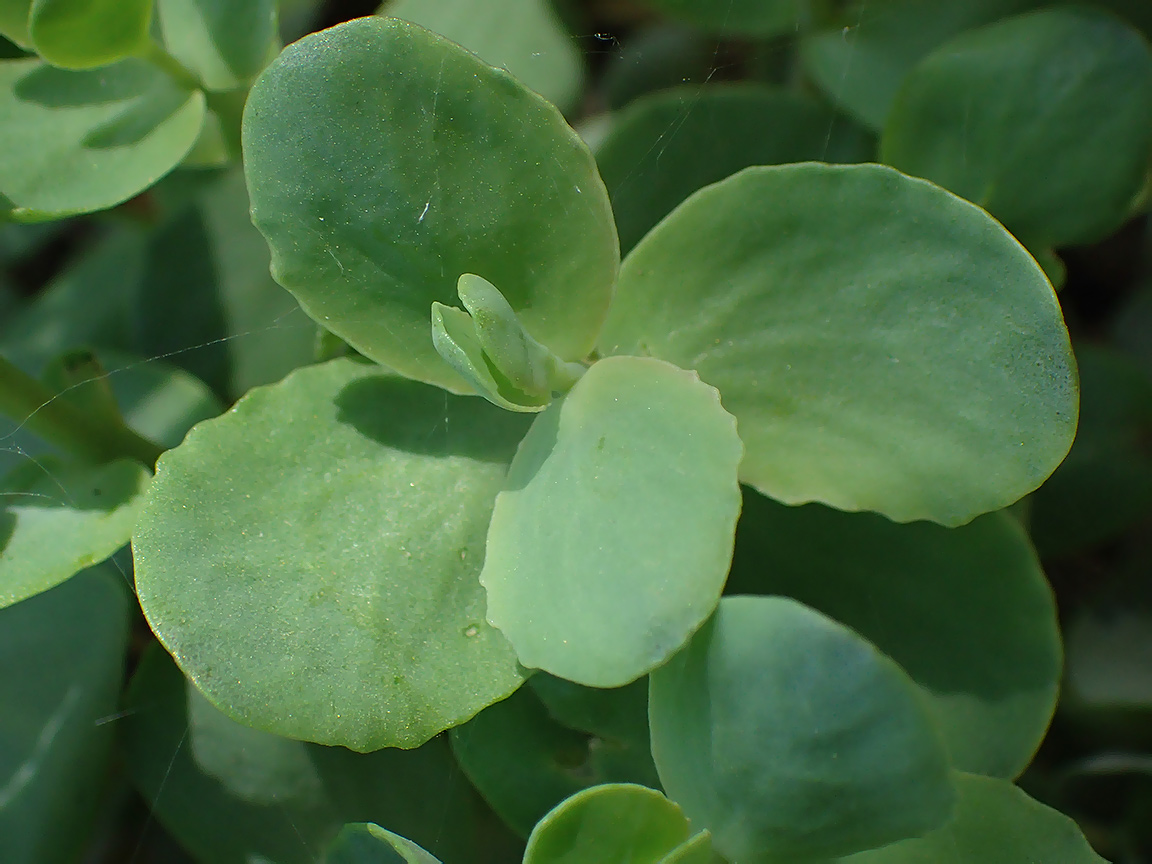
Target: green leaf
(62, 660)
(1041, 119)
(995, 823)
(14, 21)
(922, 371)
(232, 795)
(82, 34)
(737, 17)
(657, 57)
(384, 489)
(664, 147)
(374, 205)
(1104, 487)
(366, 843)
(788, 735)
(526, 37)
(69, 518)
(521, 760)
(224, 42)
(73, 142)
(966, 612)
(861, 64)
(641, 456)
(695, 850)
(613, 824)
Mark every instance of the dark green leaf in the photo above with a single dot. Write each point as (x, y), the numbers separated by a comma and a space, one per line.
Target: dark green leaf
(641, 456)
(65, 520)
(787, 736)
(737, 17)
(72, 142)
(384, 162)
(995, 823)
(664, 147)
(82, 34)
(352, 615)
(966, 612)
(224, 42)
(14, 21)
(657, 57)
(920, 368)
(526, 37)
(61, 665)
(1041, 119)
(613, 824)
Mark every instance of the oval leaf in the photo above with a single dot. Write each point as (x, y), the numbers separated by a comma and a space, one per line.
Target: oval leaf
(613, 824)
(383, 162)
(224, 42)
(353, 616)
(526, 37)
(883, 344)
(82, 34)
(62, 659)
(73, 142)
(1042, 120)
(787, 735)
(64, 520)
(966, 612)
(995, 823)
(662, 148)
(640, 456)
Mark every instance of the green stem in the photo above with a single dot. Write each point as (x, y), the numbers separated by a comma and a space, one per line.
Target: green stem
(84, 434)
(158, 57)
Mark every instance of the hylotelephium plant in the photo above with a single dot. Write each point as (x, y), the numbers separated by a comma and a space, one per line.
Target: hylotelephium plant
(367, 554)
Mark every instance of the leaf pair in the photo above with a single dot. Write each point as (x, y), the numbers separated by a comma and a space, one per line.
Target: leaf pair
(489, 348)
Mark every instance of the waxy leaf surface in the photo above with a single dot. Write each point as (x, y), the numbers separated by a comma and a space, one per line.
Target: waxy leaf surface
(788, 735)
(736, 17)
(383, 162)
(366, 843)
(61, 666)
(526, 37)
(72, 142)
(662, 148)
(614, 824)
(965, 611)
(611, 539)
(66, 519)
(1041, 119)
(883, 344)
(353, 616)
(994, 823)
(224, 42)
(82, 34)
(232, 794)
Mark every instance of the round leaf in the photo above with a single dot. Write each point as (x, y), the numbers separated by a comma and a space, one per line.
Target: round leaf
(224, 42)
(72, 142)
(995, 823)
(787, 735)
(613, 824)
(350, 614)
(82, 34)
(383, 162)
(662, 148)
(65, 520)
(1041, 119)
(611, 539)
(966, 612)
(737, 17)
(61, 666)
(883, 344)
(526, 37)
(366, 843)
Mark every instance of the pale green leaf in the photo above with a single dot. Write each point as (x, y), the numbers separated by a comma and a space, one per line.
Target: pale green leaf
(82, 34)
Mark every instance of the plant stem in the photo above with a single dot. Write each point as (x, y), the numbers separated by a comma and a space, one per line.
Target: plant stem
(84, 434)
(158, 57)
